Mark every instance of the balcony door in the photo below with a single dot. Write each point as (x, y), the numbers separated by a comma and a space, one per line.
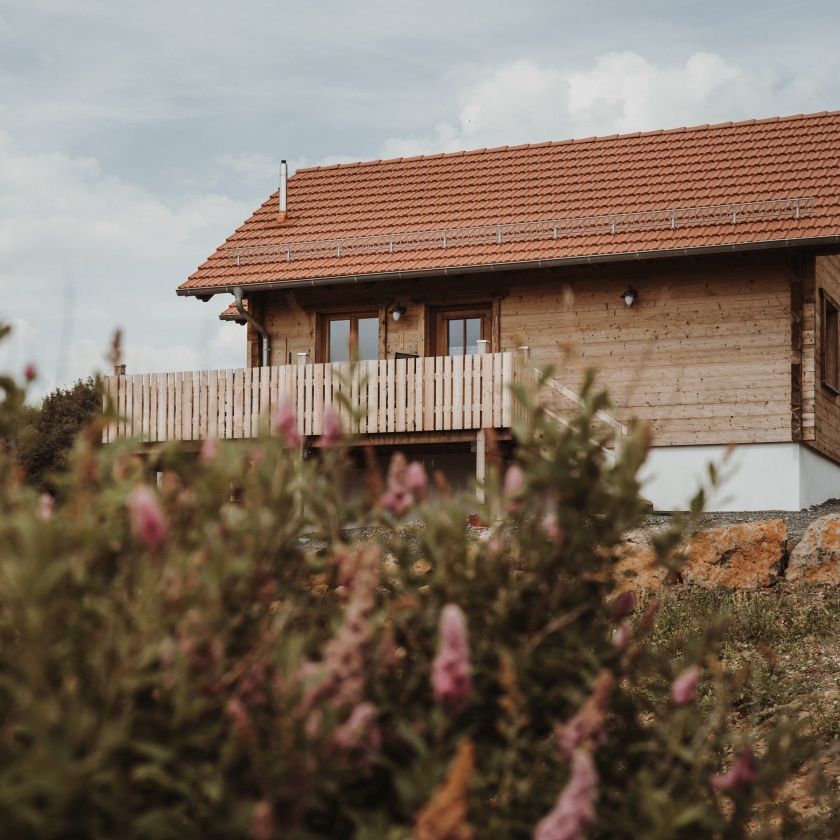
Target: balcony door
(350, 336)
(458, 330)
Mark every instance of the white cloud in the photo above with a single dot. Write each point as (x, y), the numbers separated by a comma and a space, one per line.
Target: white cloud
(523, 101)
(83, 252)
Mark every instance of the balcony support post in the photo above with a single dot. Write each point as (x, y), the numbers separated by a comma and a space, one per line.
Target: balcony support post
(480, 465)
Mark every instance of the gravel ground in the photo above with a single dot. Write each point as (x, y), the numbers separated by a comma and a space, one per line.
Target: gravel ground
(796, 521)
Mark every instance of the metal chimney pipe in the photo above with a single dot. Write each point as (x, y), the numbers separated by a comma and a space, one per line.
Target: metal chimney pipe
(281, 193)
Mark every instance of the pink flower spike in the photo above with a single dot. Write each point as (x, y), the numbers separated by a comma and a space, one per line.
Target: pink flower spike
(359, 729)
(575, 808)
(684, 687)
(623, 635)
(262, 821)
(551, 528)
(514, 484)
(624, 604)
(333, 431)
(285, 422)
(742, 775)
(451, 667)
(209, 450)
(30, 372)
(147, 518)
(416, 479)
(46, 503)
(396, 499)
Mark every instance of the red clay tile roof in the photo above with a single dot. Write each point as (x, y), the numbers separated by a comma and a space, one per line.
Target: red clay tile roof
(415, 209)
(231, 313)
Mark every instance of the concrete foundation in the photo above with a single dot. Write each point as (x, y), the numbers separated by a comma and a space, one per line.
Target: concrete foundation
(759, 476)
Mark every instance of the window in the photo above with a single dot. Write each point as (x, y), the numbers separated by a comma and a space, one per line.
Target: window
(457, 331)
(349, 337)
(830, 344)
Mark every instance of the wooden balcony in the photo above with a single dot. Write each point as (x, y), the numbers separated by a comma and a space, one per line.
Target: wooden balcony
(394, 396)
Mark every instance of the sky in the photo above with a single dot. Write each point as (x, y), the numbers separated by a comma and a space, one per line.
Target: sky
(135, 137)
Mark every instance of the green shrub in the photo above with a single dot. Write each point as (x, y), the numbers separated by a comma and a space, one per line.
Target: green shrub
(49, 432)
(217, 657)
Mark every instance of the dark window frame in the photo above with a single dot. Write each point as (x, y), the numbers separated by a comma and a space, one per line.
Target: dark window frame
(441, 315)
(829, 342)
(354, 316)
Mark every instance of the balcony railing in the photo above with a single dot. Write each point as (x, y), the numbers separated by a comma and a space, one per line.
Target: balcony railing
(393, 396)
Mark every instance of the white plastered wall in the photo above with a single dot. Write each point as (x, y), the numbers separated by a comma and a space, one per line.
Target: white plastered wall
(758, 476)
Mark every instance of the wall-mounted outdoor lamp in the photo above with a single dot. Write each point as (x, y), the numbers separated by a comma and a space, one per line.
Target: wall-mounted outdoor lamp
(629, 296)
(397, 312)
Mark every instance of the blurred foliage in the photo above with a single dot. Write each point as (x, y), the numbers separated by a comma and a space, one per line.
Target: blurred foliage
(42, 437)
(217, 657)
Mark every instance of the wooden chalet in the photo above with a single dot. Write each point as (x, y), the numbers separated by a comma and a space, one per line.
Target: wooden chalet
(697, 269)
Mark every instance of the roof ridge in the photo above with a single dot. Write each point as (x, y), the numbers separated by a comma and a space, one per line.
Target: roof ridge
(593, 139)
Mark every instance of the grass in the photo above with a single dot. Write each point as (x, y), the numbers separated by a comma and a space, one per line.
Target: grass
(786, 640)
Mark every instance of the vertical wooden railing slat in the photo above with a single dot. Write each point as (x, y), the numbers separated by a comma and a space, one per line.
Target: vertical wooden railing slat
(417, 410)
(164, 408)
(458, 392)
(447, 393)
(466, 396)
(177, 384)
(246, 403)
(318, 376)
(153, 407)
(187, 406)
(399, 388)
(300, 399)
(191, 426)
(498, 389)
(306, 375)
(391, 418)
(144, 406)
(486, 391)
(373, 395)
(428, 393)
(273, 402)
(437, 401)
(256, 377)
(114, 393)
(238, 396)
(213, 404)
(226, 408)
(137, 409)
(507, 381)
(382, 413)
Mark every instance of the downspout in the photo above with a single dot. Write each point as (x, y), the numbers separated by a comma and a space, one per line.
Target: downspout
(266, 339)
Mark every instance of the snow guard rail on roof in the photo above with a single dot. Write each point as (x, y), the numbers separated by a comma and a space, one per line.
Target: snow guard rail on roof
(452, 237)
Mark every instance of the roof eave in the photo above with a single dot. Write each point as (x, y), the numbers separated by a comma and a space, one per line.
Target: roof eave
(592, 259)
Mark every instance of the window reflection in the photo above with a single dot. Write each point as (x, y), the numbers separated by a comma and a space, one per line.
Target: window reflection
(462, 336)
(339, 341)
(353, 337)
(367, 343)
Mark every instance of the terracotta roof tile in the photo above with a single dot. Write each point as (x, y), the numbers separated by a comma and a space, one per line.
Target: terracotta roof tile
(773, 160)
(231, 313)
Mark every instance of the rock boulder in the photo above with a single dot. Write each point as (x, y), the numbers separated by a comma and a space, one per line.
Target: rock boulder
(747, 555)
(816, 558)
(636, 567)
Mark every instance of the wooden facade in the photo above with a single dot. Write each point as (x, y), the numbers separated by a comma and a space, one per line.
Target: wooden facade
(822, 404)
(715, 350)
(719, 349)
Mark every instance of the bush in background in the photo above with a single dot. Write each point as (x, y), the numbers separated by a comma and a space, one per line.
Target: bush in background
(220, 658)
(48, 433)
